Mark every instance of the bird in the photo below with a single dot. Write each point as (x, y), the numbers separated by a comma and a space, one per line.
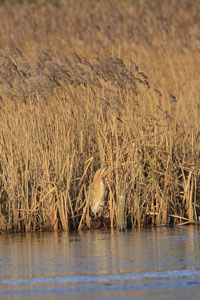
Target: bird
(96, 193)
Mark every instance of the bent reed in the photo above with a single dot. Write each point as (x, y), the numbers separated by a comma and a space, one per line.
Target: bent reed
(82, 91)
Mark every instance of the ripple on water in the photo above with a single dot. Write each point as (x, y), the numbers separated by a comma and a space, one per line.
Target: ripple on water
(187, 273)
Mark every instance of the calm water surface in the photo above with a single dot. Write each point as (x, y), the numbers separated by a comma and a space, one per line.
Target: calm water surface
(160, 263)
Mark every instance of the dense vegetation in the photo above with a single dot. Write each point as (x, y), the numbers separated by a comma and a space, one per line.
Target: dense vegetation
(88, 84)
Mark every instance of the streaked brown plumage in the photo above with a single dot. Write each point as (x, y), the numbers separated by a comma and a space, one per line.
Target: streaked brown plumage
(96, 193)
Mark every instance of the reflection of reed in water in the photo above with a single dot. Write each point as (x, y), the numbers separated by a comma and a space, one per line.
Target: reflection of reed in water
(96, 193)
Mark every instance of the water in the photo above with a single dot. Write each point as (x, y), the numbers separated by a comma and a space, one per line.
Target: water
(158, 263)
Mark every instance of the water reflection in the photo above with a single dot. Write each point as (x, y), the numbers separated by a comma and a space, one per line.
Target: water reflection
(92, 262)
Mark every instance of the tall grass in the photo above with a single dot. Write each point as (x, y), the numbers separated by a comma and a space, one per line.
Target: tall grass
(80, 91)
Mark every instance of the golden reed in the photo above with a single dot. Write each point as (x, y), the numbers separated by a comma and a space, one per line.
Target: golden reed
(88, 87)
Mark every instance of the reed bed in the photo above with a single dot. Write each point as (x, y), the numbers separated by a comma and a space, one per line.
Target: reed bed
(102, 84)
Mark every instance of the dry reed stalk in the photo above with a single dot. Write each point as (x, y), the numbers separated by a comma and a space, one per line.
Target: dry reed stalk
(84, 214)
(62, 210)
(63, 114)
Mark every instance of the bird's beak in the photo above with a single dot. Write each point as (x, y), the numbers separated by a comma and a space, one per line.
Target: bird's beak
(104, 170)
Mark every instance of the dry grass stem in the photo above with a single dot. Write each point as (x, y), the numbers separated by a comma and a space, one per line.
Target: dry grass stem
(110, 84)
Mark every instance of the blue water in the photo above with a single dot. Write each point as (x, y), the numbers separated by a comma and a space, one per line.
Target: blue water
(157, 263)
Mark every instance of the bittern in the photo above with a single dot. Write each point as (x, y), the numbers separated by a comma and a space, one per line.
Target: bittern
(96, 193)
